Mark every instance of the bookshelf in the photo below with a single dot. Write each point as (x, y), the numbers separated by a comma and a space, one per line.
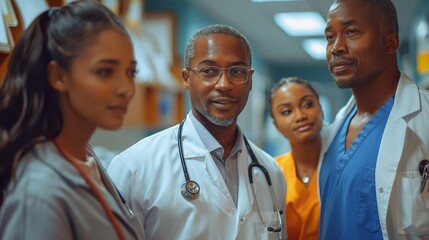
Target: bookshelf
(157, 103)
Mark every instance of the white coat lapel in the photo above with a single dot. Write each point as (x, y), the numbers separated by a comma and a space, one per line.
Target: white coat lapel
(194, 149)
(245, 199)
(407, 102)
(216, 177)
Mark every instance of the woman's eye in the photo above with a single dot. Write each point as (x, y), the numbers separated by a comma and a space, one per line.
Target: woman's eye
(308, 104)
(133, 73)
(286, 112)
(104, 72)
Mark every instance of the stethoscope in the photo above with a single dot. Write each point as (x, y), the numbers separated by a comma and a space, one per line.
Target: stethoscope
(191, 190)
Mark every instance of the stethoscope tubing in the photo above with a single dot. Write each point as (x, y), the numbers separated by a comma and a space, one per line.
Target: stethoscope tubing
(254, 164)
(182, 157)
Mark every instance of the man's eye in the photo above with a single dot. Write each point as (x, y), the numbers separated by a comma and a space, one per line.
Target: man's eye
(237, 71)
(209, 71)
(351, 31)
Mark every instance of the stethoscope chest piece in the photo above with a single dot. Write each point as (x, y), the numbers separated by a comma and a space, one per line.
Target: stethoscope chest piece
(190, 190)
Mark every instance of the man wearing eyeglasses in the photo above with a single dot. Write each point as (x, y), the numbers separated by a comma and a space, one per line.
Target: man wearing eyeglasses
(202, 179)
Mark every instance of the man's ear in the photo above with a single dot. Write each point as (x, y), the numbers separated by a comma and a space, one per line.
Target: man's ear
(251, 79)
(56, 76)
(392, 43)
(185, 78)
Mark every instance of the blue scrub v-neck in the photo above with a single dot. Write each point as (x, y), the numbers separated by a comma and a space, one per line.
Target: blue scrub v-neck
(347, 181)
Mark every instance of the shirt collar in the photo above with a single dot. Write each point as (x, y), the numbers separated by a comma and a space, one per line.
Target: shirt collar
(210, 143)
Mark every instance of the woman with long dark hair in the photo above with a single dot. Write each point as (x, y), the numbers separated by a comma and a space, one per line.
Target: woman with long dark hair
(71, 72)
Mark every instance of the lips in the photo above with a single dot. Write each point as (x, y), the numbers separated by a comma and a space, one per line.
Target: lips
(303, 127)
(119, 109)
(339, 65)
(224, 100)
(224, 103)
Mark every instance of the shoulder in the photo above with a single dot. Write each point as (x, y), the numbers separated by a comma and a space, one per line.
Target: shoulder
(156, 138)
(151, 144)
(149, 151)
(411, 101)
(264, 158)
(284, 160)
(38, 181)
(425, 94)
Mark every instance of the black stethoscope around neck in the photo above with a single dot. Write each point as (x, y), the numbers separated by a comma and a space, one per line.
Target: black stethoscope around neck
(190, 190)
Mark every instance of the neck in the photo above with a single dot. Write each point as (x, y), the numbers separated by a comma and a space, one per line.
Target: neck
(74, 141)
(226, 136)
(306, 155)
(371, 96)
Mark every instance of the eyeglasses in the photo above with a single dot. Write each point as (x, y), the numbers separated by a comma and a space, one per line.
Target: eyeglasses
(211, 74)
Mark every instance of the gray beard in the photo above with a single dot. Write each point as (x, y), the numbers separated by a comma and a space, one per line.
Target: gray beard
(220, 122)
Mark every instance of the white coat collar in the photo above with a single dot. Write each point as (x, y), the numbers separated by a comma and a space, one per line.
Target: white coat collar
(407, 99)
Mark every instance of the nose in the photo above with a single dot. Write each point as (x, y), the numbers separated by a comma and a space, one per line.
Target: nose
(126, 87)
(338, 47)
(224, 82)
(300, 115)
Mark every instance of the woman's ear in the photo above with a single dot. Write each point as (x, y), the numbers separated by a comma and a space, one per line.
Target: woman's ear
(56, 76)
(275, 124)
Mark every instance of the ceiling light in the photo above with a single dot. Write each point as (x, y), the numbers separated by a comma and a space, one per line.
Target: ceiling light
(276, 0)
(316, 48)
(301, 23)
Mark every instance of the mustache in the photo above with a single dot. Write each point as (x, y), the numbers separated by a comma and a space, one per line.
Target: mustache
(337, 61)
(222, 95)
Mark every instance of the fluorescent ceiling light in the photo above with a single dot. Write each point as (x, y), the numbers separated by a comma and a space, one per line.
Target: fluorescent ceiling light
(301, 23)
(276, 0)
(316, 48)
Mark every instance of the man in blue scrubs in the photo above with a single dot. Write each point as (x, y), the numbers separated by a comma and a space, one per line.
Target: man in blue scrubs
(369, 178)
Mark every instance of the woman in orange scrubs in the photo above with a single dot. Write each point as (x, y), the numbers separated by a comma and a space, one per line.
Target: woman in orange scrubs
(298, 116)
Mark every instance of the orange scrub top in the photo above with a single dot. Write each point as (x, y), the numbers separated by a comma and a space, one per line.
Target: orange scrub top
(302, 203)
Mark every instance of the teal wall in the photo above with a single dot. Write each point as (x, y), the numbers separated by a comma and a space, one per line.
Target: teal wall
(422, 14)
(190, 18)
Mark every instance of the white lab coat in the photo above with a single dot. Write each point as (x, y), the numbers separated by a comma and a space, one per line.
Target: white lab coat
(149, 174)
(403, 211)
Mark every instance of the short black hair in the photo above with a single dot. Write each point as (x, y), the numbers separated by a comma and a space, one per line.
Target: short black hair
(383, 8)
(213, 29)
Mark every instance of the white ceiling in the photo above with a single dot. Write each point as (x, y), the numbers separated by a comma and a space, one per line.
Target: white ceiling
(255, 20)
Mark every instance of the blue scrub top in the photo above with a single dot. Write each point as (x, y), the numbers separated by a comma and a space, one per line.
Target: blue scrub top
(347, 182)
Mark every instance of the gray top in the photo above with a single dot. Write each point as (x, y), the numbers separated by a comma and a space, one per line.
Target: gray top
(50, 200)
